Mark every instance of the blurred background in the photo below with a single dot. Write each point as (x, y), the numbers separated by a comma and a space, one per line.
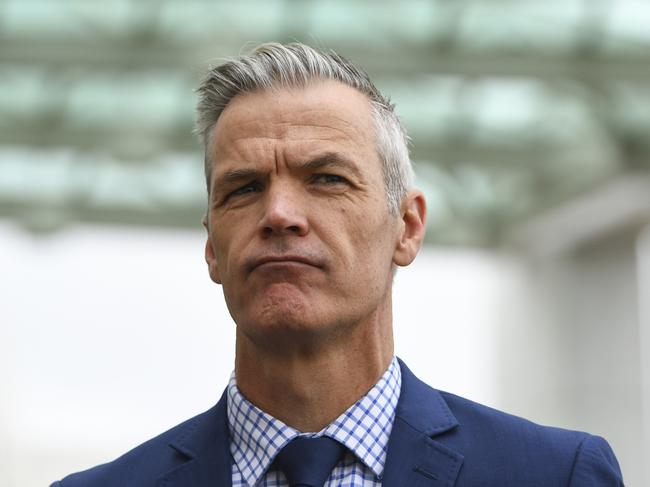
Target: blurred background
(530, 123)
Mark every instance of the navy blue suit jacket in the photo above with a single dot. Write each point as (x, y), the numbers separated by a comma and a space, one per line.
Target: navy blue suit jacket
(438, 439)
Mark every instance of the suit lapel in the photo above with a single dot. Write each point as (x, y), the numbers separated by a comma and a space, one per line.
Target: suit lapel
(205, 446)
(414, 457)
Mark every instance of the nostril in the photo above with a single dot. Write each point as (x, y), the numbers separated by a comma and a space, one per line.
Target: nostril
(270, 228)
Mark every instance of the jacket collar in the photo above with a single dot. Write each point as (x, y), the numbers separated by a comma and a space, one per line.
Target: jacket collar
(415, 458)
(205, 446)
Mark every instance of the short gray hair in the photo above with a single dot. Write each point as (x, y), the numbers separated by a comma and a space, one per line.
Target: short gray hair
(273, 65)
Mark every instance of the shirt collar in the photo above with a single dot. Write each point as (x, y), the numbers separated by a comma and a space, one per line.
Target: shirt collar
(364, 428)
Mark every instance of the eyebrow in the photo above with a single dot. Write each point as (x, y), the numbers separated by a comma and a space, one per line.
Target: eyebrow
(236, 175)
(328, 159)
(331, 159)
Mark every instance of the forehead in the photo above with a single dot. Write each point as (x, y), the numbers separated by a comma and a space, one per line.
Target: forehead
(325, 114)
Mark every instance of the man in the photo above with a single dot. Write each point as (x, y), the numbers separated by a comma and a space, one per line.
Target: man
(311, 208)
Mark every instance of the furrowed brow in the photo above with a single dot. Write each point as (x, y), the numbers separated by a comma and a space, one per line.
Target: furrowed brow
(331, 159)
(235, 176)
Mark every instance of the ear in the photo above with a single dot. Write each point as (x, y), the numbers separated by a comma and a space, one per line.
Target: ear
(210, 258)
(413, 211)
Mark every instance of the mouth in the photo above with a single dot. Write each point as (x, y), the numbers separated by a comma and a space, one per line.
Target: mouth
(283, 260)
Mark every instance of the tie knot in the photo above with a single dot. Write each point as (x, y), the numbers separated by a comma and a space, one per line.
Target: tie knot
(307, 462)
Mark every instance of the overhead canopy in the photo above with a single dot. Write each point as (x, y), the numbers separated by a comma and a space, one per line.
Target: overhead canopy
(514, 107)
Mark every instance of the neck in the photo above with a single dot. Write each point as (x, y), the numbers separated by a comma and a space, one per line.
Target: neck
(308, 387)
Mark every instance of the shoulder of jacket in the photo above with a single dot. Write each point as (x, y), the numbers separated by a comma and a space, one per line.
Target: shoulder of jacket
(146, 461)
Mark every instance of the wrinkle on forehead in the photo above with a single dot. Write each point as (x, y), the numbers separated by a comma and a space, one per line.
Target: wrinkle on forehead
(325, 116)
(256, 150)
(317, 104)
(262, 128)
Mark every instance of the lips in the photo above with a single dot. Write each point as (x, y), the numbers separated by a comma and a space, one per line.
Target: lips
(283, 259)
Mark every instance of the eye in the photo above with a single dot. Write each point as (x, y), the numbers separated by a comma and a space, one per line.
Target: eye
(248, 188)
(329, 179)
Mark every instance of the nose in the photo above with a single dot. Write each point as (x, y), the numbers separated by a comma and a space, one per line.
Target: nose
(284, 213)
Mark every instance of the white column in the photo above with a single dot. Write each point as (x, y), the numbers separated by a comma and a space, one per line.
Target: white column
(643, 256)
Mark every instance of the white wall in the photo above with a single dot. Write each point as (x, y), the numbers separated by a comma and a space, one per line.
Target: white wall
(115, 334)
(570, 352)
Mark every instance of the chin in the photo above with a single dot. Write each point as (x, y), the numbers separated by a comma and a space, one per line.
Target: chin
(281, 302)
(284, 314)
(284, 320)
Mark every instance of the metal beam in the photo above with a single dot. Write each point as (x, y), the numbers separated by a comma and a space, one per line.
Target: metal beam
(49, 216)
(143, 145)
(97, 54)
(616, 204)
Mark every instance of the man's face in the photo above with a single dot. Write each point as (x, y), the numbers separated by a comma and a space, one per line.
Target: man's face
(299, 231)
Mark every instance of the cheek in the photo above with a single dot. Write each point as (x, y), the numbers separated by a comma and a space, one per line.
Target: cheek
(230, 244)
(223, 250)
(369, 241)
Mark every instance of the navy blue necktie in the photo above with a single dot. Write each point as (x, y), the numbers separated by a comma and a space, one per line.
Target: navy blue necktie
(307, 462)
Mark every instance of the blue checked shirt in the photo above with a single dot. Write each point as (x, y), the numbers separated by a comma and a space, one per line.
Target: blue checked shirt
(257, 437)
